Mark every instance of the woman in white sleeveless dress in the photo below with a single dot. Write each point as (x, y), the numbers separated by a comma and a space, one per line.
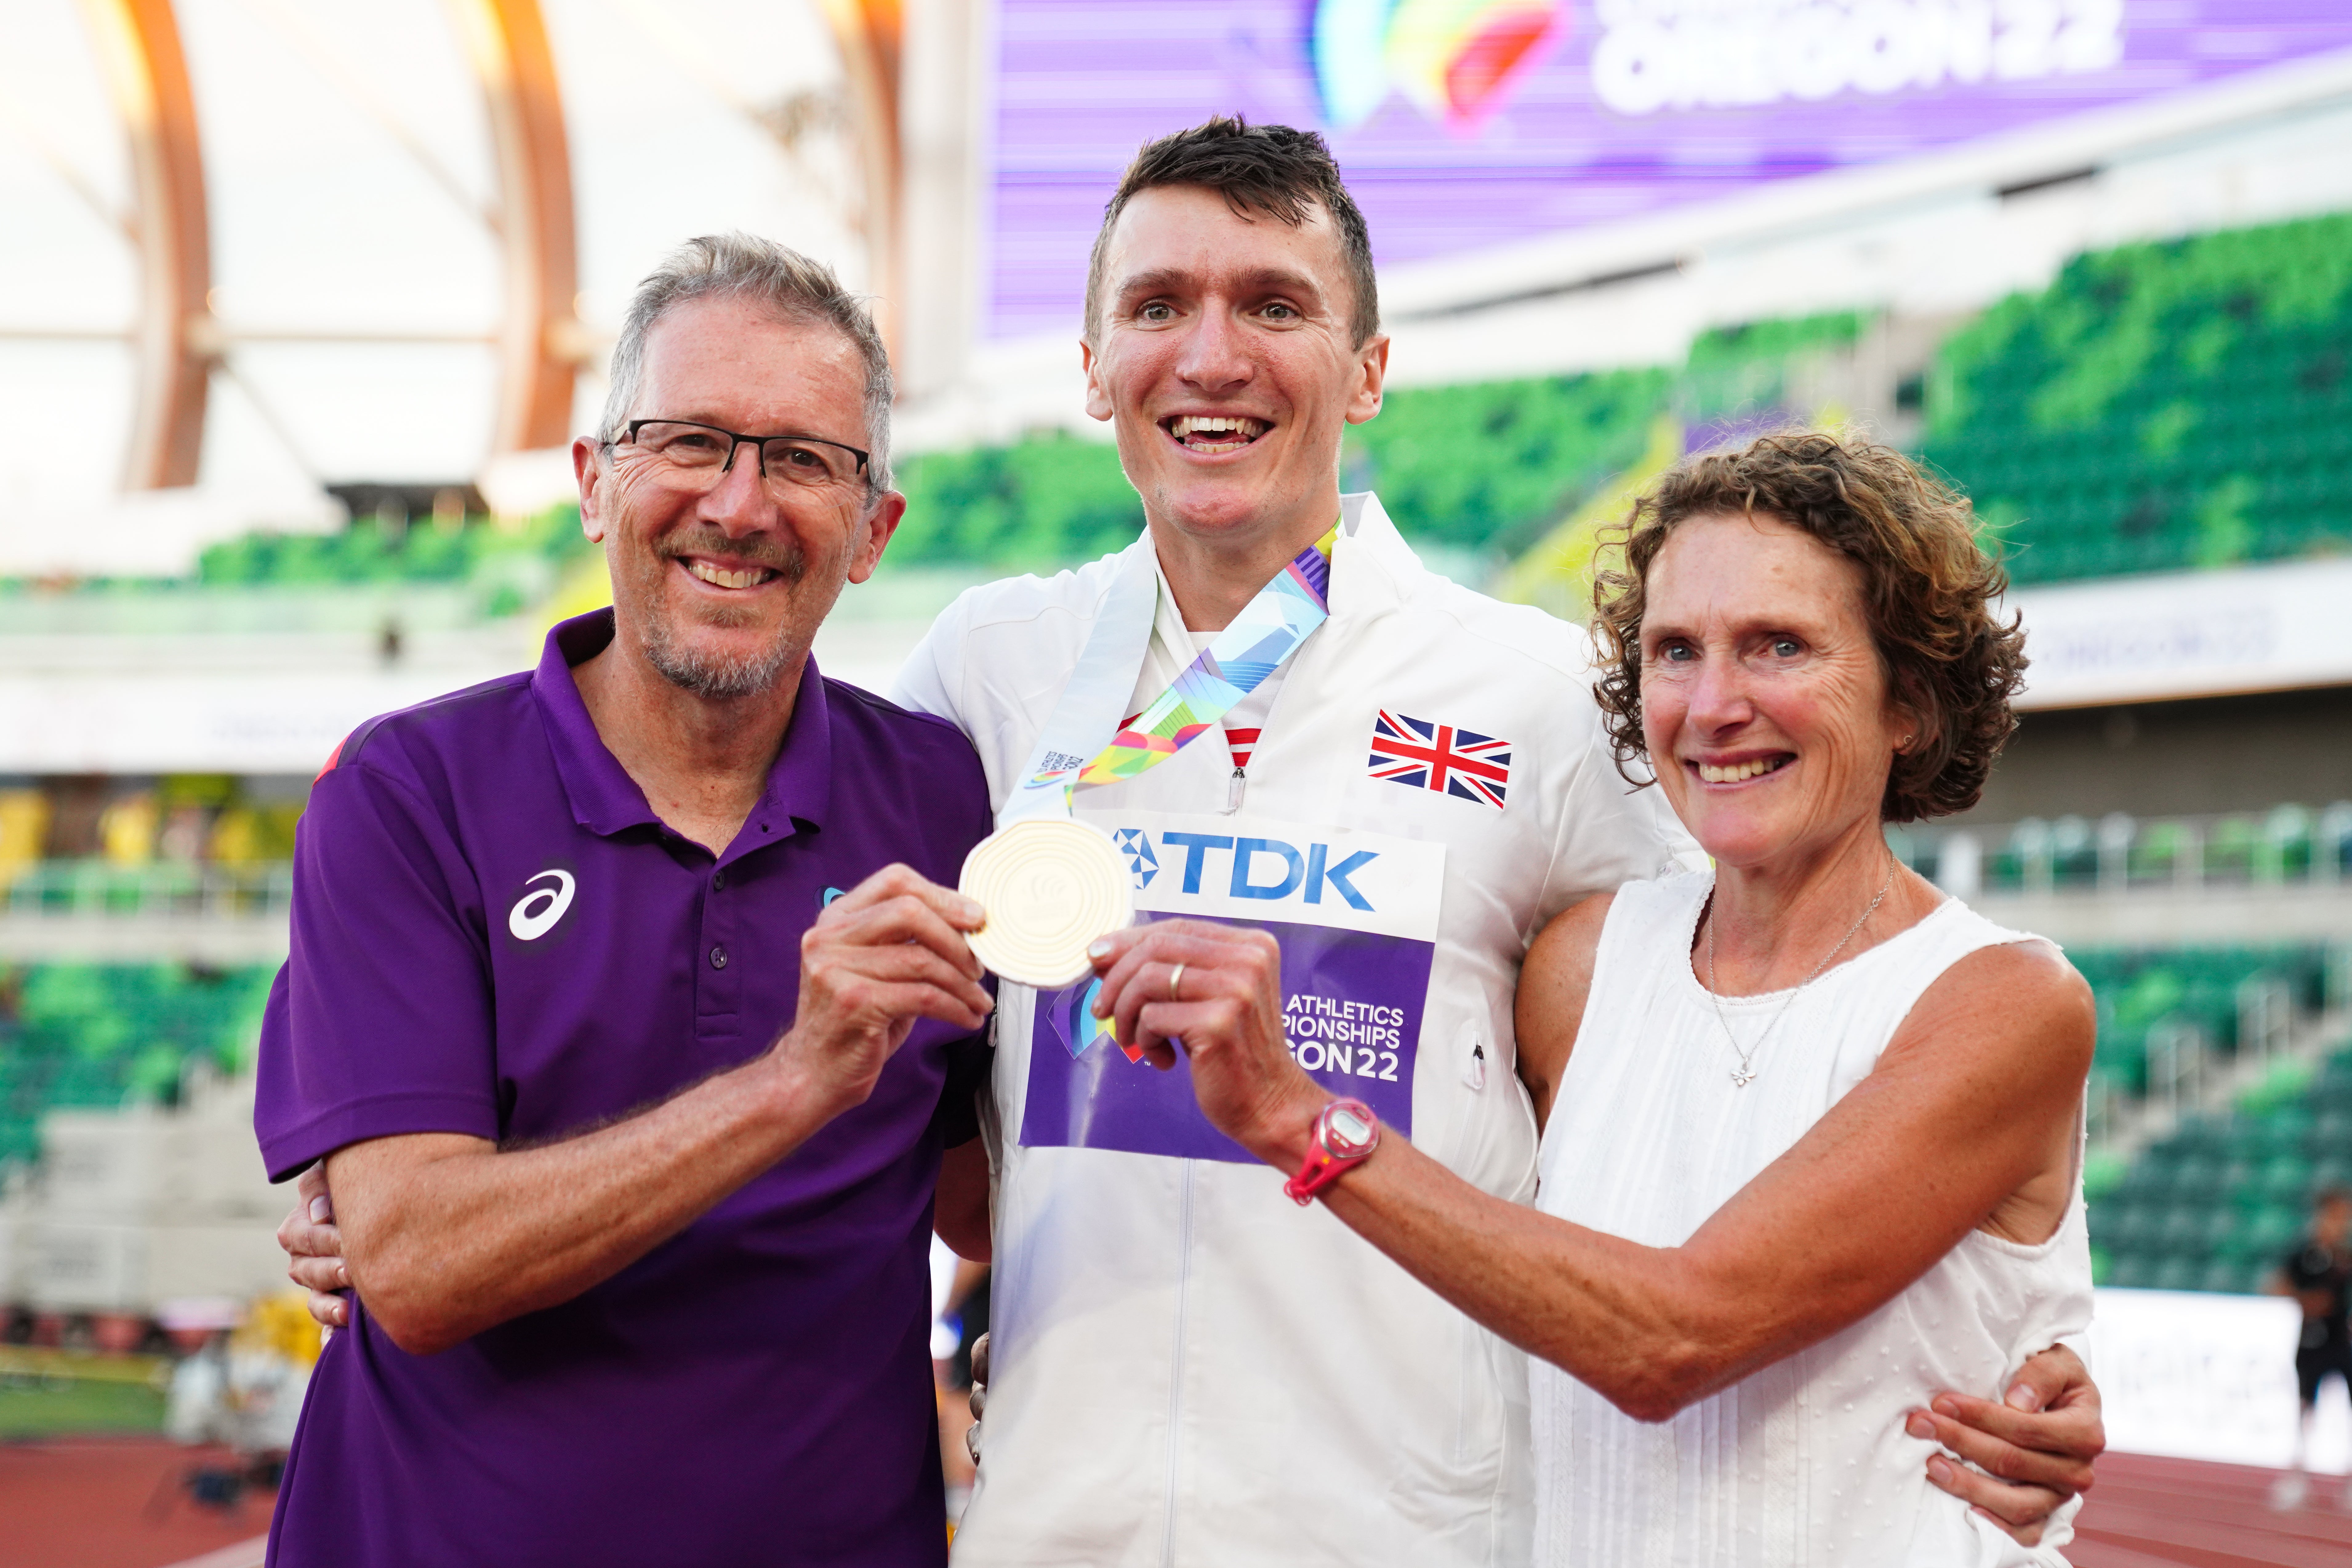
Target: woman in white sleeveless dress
(1812, 1131)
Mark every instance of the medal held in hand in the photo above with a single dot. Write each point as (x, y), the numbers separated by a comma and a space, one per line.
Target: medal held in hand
(1051, 886)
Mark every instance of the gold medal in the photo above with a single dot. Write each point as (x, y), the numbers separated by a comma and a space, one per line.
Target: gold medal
(1050, 887)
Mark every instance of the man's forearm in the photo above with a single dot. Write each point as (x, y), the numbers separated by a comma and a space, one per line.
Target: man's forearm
(447, 1235)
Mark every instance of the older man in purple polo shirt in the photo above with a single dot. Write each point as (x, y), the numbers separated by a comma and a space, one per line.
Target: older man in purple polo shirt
(632, 1115)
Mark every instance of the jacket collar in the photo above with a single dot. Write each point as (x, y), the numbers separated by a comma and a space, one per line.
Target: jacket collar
(1373, 570)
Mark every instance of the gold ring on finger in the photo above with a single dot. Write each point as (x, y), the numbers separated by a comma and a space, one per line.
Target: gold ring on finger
(1175, 978)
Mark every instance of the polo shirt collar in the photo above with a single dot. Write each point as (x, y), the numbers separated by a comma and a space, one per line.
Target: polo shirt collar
(606, 800)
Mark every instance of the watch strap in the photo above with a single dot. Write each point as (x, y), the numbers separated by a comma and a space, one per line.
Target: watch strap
(1323, 1164)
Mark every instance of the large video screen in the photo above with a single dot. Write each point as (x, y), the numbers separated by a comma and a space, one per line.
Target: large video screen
(1464, 124)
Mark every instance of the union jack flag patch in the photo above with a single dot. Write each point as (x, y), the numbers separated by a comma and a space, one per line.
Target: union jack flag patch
(1422, 755)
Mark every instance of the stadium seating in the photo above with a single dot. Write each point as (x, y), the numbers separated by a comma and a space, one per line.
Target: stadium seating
(184, 844)
(1039, 505)
(367, 552)
(98, 1035)
(1539, 446)
(2158, 407)
(2161, 406)
(2140, 990)
(2216, 1204)
(2286, 843)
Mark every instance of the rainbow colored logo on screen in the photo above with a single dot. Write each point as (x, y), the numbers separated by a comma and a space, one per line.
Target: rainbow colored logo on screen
(1457, 60)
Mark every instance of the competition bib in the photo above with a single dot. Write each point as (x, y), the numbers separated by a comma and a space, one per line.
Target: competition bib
(1356, 914)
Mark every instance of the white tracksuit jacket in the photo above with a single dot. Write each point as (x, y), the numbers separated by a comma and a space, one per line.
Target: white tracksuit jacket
(1187, 1368)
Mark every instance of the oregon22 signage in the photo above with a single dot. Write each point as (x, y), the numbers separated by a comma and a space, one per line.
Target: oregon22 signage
(1464, 124)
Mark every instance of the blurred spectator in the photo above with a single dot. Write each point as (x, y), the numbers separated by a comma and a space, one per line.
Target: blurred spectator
(195, 1409)
(24, 828)
(2318, 1275)
(182, 838)
(243, 1385)
(126, 829)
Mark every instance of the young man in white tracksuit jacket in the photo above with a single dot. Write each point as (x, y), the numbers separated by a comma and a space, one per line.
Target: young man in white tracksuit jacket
(1186, 1367)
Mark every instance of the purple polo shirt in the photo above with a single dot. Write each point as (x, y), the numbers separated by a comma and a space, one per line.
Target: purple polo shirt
(493, 934)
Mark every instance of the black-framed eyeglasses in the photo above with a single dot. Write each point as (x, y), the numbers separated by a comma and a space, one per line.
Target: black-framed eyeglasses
(698, 454)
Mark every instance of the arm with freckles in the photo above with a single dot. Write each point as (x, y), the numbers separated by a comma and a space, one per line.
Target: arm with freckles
(1957, 1117)
(1964, 1111)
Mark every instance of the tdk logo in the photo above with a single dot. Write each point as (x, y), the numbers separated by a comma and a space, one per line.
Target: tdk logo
(1248, 868)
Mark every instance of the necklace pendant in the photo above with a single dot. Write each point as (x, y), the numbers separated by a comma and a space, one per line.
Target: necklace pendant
(1742, 1076)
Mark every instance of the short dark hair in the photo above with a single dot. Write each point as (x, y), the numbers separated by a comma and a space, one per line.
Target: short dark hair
(1928, 591)
(1269, 169)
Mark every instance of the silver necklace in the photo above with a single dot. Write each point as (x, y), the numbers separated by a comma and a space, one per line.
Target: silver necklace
(1745, 1073)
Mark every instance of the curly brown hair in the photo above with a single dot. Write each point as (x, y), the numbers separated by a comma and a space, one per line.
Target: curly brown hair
(1928, 589)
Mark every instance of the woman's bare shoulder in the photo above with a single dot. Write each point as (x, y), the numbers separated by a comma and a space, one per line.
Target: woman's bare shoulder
(1567, 947)
(2021, 998)
(2032, 974)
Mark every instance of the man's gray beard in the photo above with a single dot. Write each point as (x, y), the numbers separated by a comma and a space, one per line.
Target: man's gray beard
(716, 677)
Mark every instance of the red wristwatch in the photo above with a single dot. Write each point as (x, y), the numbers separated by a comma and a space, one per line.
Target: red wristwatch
(1346, 1131)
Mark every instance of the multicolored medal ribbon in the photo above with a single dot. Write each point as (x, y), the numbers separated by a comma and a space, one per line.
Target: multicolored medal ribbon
(1268, 632)
(1051, 885)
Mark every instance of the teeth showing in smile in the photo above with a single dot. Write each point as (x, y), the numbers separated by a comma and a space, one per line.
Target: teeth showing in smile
(1218, 432)
(1737, 771)
(719, 577)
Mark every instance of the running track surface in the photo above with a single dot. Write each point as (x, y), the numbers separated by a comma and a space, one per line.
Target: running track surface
(114, 1502)
(2148, 1512)
(93, 1503)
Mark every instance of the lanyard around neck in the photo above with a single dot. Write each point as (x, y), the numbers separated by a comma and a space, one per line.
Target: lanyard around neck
(1241, 659)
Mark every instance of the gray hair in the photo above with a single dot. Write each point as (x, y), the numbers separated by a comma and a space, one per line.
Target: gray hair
(777, 278)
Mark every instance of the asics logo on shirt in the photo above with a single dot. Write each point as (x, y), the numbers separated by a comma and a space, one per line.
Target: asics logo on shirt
(535, 914)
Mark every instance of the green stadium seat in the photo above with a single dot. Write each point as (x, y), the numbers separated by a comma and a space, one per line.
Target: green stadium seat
(2273, 1231)
(2228, 1276)
(2186, 1233)
(91, 1035)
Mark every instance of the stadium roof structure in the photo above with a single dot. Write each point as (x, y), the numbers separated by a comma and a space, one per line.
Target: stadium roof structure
(798, 135)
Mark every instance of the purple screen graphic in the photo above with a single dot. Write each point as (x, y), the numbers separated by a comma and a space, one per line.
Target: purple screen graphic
(1620, 113)
(1352, 1010)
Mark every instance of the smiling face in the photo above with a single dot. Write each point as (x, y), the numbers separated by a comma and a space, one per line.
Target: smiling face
(1765, 706)
(1226, 359)
(722, 589)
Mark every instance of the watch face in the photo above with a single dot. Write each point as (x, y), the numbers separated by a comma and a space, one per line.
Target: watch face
(1349, 1129)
